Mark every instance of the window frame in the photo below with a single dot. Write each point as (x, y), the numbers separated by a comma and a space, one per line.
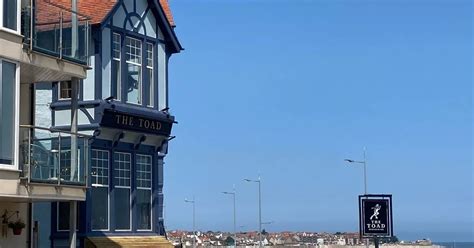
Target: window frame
(147, 100)
(60, 89)
(18, 18)
(16, 118)
(130, 189)
(118, 80)
(140, 65)
(108, 186)
(151, 80)
(57, 217)
(145, 188)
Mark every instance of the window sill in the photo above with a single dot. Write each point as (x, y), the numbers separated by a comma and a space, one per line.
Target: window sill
(11, 31)
(10, 168)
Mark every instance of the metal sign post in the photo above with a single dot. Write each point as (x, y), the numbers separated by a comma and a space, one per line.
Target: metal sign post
(375, 216)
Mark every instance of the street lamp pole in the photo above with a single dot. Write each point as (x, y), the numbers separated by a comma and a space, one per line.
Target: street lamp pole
(259, 209)
(364, 162)
(235, 230)
(194, 219)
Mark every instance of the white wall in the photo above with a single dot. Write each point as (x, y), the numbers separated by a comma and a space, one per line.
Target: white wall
(43, 99)
(17, 241)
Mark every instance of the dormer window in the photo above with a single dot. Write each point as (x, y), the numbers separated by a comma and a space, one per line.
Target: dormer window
(134, 69)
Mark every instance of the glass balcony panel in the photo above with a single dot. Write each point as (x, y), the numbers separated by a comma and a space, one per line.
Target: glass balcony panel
(57, 30)
(46, 156)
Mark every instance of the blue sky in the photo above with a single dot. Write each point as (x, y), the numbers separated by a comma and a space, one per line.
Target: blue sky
(288, 89)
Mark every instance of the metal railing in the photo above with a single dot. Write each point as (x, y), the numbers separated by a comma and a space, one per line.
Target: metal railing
(45, 156)
(56, 30)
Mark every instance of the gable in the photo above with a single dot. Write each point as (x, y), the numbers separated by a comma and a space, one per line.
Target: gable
(137, 16)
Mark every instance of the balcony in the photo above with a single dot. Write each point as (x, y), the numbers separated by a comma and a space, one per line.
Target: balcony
(46, 156)
(56, 28)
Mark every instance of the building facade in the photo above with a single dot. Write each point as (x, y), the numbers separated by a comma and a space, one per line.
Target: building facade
(123, 105)
(39, 164)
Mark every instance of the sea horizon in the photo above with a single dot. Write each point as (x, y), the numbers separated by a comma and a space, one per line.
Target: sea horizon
(455, 244)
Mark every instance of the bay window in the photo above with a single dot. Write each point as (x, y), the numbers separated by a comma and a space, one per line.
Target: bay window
(133, 70)
(122, 190)
(7, 112)
(143, 182)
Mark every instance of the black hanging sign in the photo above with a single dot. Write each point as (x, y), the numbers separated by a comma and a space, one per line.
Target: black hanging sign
(375, 215)
(137, 123)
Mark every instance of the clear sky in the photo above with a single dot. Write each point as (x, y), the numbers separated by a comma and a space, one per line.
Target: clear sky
(288, 89)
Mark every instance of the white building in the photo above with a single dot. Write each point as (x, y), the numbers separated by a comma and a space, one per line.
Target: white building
(33, 165)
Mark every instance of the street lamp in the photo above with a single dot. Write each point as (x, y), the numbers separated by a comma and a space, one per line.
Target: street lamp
(194, 219)
(259, 208)
(364, 162)
(235, 232)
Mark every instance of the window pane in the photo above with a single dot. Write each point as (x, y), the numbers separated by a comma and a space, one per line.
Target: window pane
(65, 90)
(122, 163)
(10, 14)
(144, 209)
(151, 89)
(143, 171)
(100, 167)
(7, 112)
(100, 208)
(122, 208)
(149, 55)
(133, 83)
(116, 46)
(63, 216)
(133, 49)
(116, 75)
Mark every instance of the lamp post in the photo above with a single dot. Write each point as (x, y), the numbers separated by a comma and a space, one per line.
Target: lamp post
(194, 219)
(235, 231)
(259, 209)
(364, 162)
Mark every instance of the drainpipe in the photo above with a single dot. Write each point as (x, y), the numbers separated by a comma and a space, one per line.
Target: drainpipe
(74, 29)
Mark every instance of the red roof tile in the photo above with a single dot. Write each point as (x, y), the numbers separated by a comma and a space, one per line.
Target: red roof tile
(166, 7)
(97, 10)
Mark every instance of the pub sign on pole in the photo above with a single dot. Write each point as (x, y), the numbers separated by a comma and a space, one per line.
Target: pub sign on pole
(375, 215)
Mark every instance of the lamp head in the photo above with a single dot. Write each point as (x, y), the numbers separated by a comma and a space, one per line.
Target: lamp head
(349, 160)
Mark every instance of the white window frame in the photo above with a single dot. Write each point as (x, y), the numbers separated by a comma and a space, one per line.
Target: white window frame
(140, 87)
(16, 150)
(60, 89)
(125, 187)
(104, 186)
(119, 79)
(151, 81)
(145, 188)
(18, 19)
